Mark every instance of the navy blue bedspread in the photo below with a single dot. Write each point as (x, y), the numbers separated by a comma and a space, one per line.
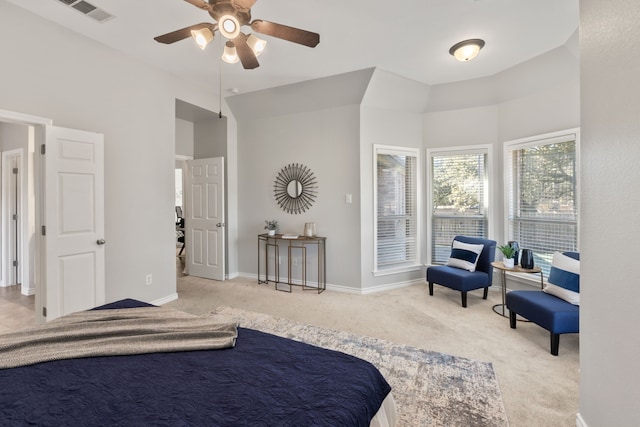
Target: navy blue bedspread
(264, 380)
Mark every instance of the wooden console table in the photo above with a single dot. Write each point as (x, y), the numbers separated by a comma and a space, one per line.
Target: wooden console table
(299, 243)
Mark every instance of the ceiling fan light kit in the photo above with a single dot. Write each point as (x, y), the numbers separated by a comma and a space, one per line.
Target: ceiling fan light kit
(466, 50)
(202, 37)
(230, 16)
(256, 44)
(229, 26)
(230, 55)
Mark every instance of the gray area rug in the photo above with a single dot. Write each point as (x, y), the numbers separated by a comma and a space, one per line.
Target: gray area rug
(430, 388)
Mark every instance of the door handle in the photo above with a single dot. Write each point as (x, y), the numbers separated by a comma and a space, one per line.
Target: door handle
(100, 241)
(220, 224)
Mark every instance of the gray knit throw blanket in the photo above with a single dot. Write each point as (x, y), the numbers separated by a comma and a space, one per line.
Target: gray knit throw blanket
(115, 332)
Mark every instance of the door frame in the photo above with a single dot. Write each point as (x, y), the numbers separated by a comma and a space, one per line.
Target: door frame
(39, 124)
(11, 199)
(182, 159)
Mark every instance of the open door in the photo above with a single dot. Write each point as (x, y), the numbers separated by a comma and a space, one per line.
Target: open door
(204, 218)
(72, 221)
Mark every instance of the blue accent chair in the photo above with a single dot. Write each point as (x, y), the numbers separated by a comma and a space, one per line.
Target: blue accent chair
(548, 311)
(463, 280)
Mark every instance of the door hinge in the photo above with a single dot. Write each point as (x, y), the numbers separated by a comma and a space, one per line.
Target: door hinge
(42, 149)
(44, 230)
(44, 311)
(14, 217)
(15, 171)
(15, 263)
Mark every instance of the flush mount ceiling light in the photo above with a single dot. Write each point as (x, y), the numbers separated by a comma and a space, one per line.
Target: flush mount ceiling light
(466, 50)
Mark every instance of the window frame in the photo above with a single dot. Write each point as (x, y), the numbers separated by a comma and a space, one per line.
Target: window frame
(533, 141)
(416, 263)
(486, 149)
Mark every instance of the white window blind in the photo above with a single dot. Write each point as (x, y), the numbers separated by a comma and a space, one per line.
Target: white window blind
(459, 198)
(396, 207)
(542, 196)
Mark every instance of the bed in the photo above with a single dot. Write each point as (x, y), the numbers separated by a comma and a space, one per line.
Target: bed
(262, 380)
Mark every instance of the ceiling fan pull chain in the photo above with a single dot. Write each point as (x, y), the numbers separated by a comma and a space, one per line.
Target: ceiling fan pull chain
(220, 84)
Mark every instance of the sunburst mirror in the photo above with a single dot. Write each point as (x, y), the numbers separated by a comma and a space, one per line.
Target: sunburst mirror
(295, 188)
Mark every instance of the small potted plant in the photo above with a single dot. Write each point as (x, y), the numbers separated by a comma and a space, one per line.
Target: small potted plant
(271, 227)
(508, 252)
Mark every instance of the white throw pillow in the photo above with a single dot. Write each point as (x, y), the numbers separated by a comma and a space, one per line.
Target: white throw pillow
(564, 278)
(464, 255)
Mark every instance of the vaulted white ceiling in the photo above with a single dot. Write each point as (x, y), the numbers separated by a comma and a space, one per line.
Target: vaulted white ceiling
(410, 38)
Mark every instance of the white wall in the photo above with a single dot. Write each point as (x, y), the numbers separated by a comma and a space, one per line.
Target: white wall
(383, 127)
(326, 141)
(610, 133)
(210, 138)
(336, 142)
(232, 227)
(519, 102)
(51, 72)
(184, 138)
(537, 97)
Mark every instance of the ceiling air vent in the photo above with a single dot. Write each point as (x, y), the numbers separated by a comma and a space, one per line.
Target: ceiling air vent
(88, 9)
(84, 7)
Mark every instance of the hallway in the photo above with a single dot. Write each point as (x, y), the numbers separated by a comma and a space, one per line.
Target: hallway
(16, 310)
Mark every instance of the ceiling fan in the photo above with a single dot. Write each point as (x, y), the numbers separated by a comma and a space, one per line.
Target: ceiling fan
(230, 15)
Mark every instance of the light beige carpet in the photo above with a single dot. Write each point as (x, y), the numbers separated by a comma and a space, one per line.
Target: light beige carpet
(537, 389)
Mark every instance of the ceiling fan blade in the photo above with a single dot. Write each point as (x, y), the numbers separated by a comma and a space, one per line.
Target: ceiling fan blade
(295, 35)
(246, 55)
(184, 33)
(200, 4)
(244, 4)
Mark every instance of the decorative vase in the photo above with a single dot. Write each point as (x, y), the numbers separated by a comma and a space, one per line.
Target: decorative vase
(508, 262)
(309, 229)
(516, 247)
(271, 232)
(526, 259)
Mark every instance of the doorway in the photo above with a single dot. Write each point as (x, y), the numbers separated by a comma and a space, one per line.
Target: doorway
(17, 207)
(13, 217)
(202, 134)
(18, 246)
(181, 248)
(66, 274)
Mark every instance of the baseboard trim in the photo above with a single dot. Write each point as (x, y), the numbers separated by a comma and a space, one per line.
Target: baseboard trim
(165, 300)
(296, 282)
(28, 291)
(350, 290)
(391, 286)
(580, 422)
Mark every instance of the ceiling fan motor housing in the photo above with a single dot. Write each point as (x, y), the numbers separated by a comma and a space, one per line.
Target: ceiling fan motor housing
(219, 8)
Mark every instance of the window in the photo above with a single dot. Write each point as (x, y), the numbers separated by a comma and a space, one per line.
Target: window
(396, 214)
(542, 195)
(458, 193)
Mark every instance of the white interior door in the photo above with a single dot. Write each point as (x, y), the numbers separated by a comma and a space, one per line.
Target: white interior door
(73, 221)
(204, 218)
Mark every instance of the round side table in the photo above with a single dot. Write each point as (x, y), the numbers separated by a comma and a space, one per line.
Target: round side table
(501, 308)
